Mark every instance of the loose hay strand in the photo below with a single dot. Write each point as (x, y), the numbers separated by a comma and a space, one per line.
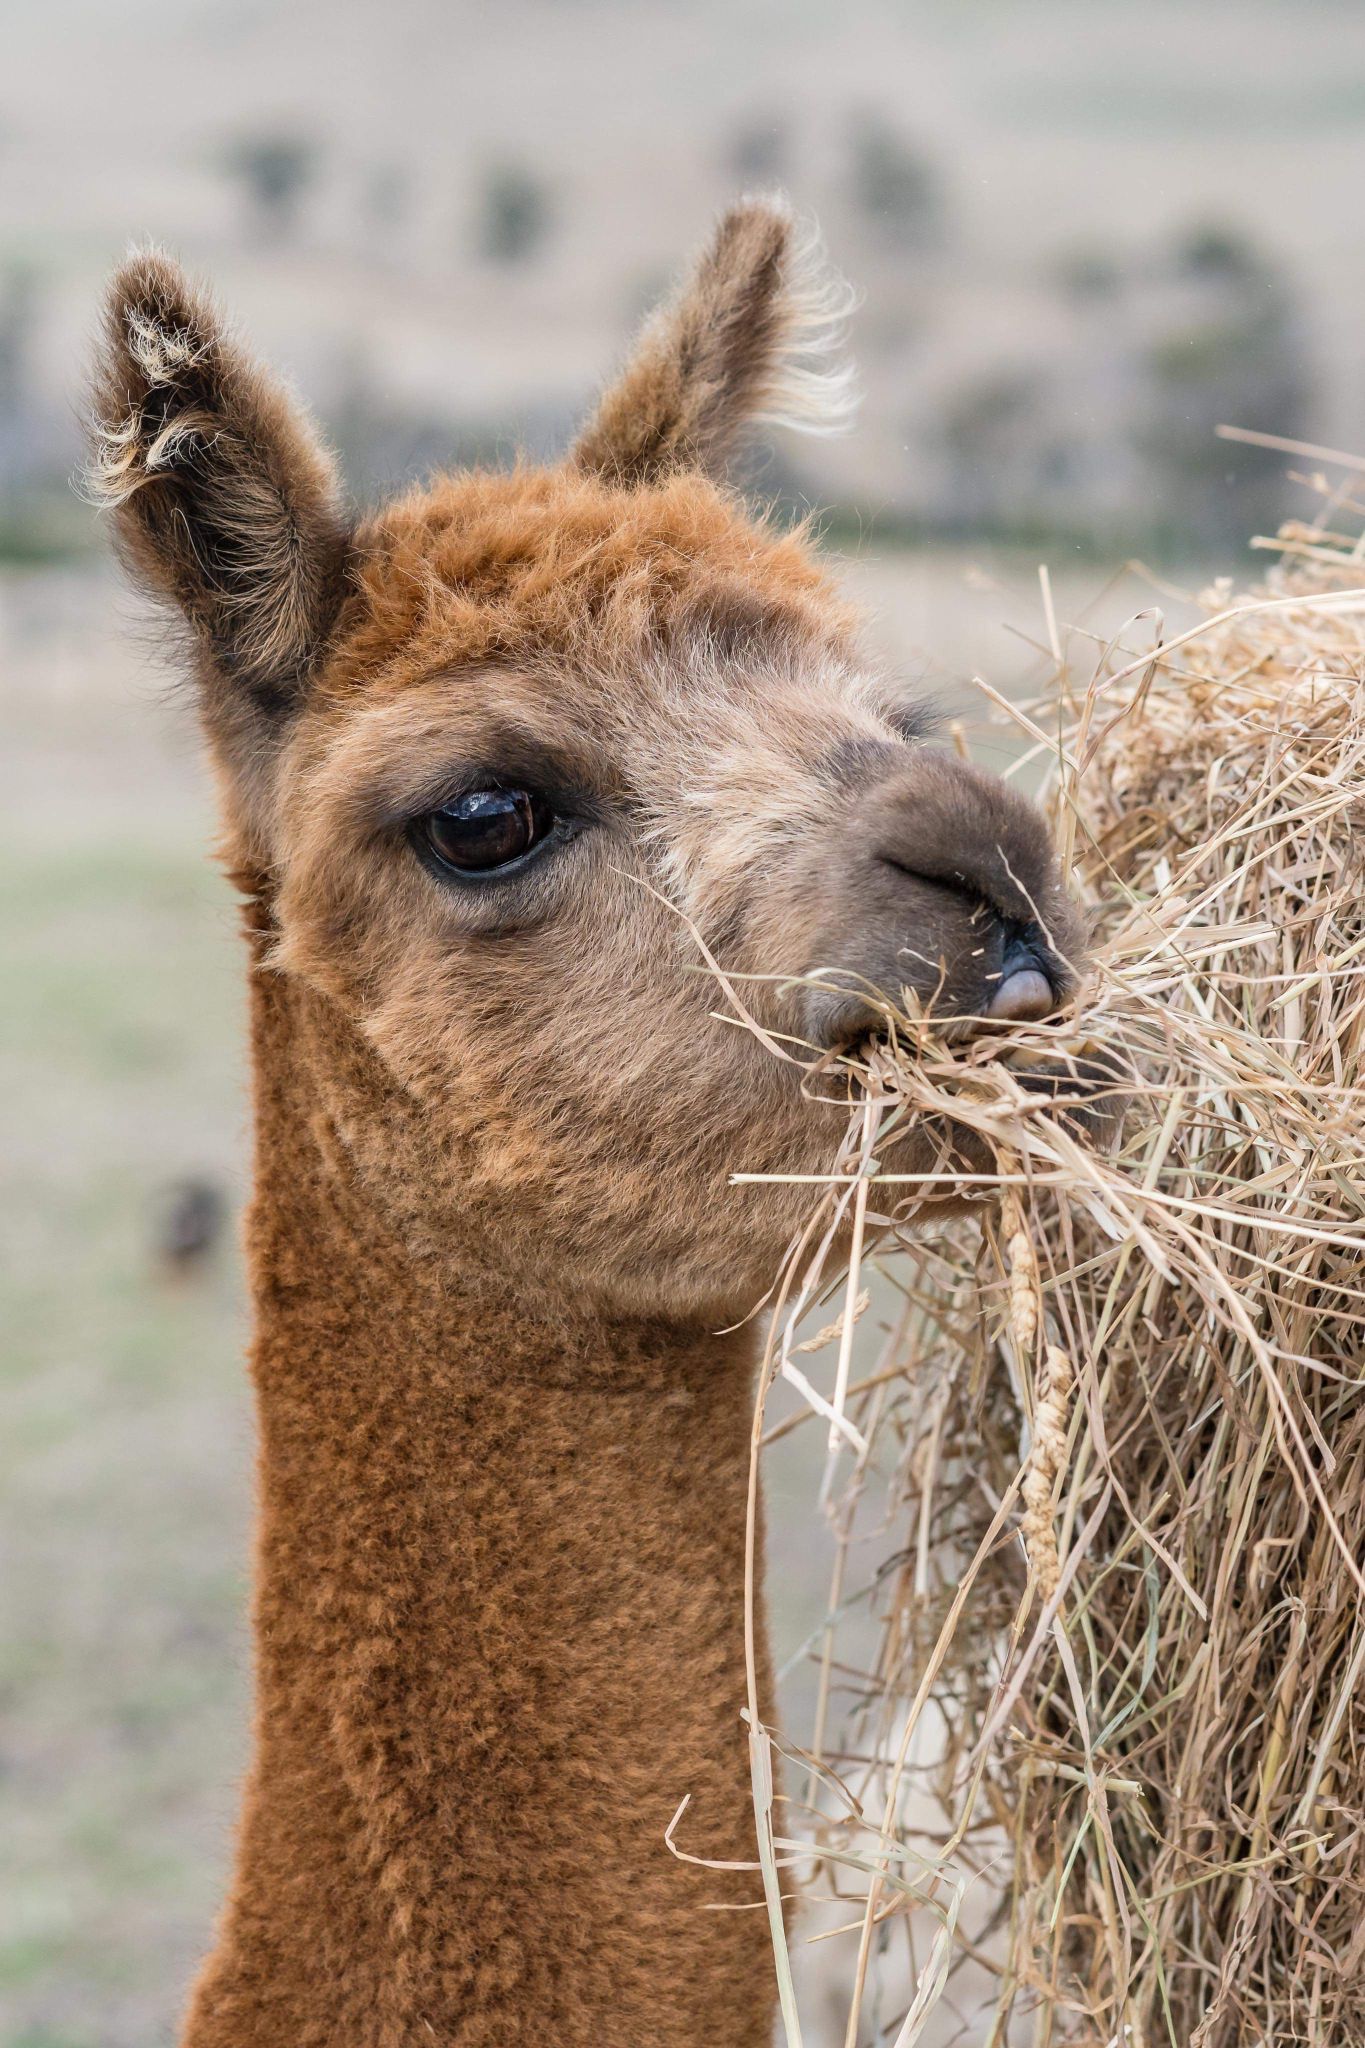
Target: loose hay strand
(1115, 1724)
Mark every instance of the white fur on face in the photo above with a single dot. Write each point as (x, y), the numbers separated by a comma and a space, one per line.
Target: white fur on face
(742, 774)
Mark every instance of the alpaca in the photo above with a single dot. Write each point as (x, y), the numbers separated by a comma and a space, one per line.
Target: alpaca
(491, 762)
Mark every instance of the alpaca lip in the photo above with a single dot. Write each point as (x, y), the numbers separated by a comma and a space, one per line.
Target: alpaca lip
(1027, 990)
(1024, 996)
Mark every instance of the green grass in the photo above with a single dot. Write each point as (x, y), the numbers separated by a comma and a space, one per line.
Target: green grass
(124, 1439)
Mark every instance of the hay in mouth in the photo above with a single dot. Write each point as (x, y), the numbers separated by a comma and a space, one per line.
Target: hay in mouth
(1106, 1759)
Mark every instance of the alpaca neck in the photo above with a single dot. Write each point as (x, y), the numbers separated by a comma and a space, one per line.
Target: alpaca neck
(499, 1587)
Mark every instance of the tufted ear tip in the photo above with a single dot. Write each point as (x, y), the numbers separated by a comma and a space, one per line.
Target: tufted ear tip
(223, 501)
(150, 286)
(766, 221)
(157, 331)
(753, 337)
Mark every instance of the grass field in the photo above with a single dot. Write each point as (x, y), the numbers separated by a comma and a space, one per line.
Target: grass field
(124, 1442)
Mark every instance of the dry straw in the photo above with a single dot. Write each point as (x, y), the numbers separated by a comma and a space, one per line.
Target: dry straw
(1097, 1774)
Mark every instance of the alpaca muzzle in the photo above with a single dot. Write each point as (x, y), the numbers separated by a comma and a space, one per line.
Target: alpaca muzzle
(946, 898)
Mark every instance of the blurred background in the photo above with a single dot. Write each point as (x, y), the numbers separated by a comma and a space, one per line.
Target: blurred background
(1084, 233)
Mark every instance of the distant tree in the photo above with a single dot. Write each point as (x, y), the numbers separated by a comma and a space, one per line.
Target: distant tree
(386, 195)
(515, 214)
(1089, 273)
(758, 150)
(18, 307)
(275, 171)
(990, 431)
(1219, 252)
(18, 322)
(895, 186)
(1231, 350)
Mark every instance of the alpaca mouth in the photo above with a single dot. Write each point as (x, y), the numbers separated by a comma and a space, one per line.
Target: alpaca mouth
(1023, 997)
(1031, 985)
(1085, 1082)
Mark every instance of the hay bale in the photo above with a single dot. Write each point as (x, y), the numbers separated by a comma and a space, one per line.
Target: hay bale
(1112, 1740)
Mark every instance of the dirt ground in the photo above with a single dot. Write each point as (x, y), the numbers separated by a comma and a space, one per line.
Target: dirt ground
(125, 1443)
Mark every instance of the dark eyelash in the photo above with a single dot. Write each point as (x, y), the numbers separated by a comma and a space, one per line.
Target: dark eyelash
(566, 794)
(562, 832)
(914, 719)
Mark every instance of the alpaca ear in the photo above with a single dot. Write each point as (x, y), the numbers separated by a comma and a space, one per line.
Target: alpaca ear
(224, 503)
(747, 340)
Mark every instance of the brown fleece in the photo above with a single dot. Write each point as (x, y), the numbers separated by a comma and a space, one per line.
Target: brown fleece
(499, 1572)
(499, 1613)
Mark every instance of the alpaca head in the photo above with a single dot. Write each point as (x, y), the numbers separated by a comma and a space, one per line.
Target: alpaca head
(509, 759)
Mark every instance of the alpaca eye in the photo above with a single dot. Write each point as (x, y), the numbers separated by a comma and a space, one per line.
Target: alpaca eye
(487, 829)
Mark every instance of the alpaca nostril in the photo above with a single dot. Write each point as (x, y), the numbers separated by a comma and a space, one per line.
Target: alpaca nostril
(1023, 997)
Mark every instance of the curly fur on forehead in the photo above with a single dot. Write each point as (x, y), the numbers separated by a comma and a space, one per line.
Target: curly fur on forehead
(495, 567)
